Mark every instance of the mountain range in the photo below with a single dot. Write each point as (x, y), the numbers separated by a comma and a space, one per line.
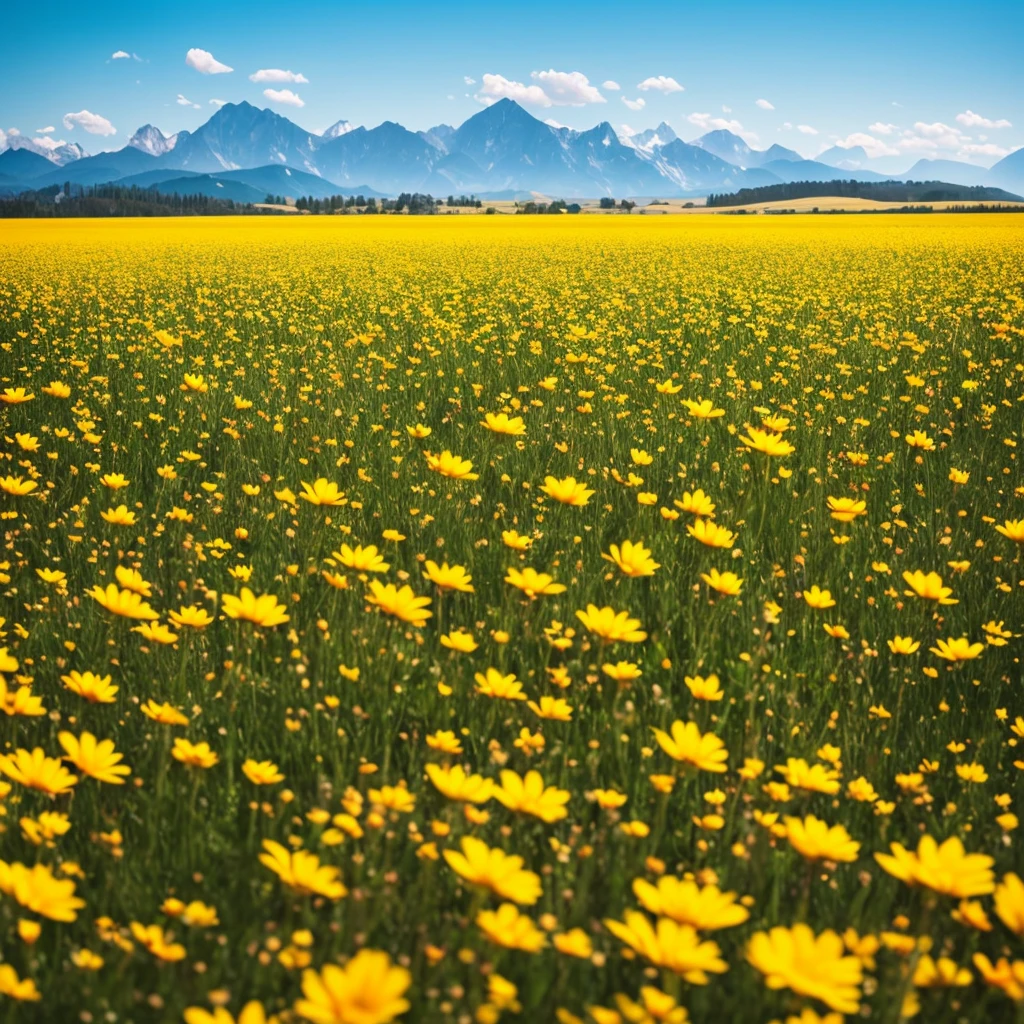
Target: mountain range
(244, 152)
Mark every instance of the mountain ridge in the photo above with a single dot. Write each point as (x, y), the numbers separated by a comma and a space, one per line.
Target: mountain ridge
(498, 149)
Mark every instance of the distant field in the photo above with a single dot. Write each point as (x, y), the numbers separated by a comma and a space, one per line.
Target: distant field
(585, 620)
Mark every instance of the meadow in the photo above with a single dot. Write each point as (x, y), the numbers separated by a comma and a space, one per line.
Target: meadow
(470, 619)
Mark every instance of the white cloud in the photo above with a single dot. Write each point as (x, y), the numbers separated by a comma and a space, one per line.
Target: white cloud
(217, 103)
(45, 131)
(786, 126)
(468, 80)
(94, 124)
(726, 110)
(872, 146)
(611, 86)
(47, 143)
(120, 55)
(883, 128)
(708, 123)
(13, 131)
(277, 75)
(568, 88)
(939, 134)
(205, 63)
(624, 129)
(553, 123)
(972, 120)
(638, 104)
(984, 149)
(765, 105)
(498, 87)
(285, 96)
(3, 140)
(806, 129)
(660, 83)
(184, 101)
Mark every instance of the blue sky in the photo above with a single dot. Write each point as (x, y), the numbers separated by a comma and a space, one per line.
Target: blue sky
(906, 80)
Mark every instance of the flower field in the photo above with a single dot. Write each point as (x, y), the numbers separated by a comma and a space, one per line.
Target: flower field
(470, 619)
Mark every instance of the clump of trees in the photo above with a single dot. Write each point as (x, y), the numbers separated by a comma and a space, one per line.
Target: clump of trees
(115, 201)
(608, 203)
(557, 206)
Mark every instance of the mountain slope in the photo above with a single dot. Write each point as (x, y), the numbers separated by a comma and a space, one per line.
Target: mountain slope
(23, 164)
(1009, 172)
(390, 157)
(240, 135)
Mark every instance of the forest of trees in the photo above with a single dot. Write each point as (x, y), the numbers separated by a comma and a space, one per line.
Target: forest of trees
(883, 191)
(114, 201)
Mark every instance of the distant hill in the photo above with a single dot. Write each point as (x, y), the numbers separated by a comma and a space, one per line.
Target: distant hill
(886, 192)
(1009, 172)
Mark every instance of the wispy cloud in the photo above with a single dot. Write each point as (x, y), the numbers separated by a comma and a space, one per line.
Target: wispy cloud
(806, 129)
(660, 83)
(765, 105)
(277, 75)
(568, 88)
(498, 87)
(969, 119)
(94, 124)
(611, 85)
(184, 101)
(285, 96)
(709, 123)
(120, 55)
(638, 104)
(205, 63)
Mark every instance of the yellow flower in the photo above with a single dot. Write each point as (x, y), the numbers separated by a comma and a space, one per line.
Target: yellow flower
(705, 908)
(192, 616)
(322, 492)
(369, 989)
(261, 773)
(36, 889)
(686, 744)
(35, 770)
(532, 583)
(449, 577)
(529, 795)
(702, 688)
(702, 409)
(1009, 903)
(1004, 975)
(810, 965)
(196, 755)
(676, 947)
(696, 503)
(574, 943)
(567, 491)
(814, 778)
(515, 541)
(401, 603)
(361, 559)
(125, 603)
(16, 485)
(494, 684)
(452, 466)
(302, 871)
(946, 869)
(263, 610)
(501, 873)
(22, 990)
(919, 439)
(711, 534)
(845, 510)
(725, 583)
(501, 423)
(456, 785)
(251, 1013)
(941, 973)
(928, 586)
(99, 760)
(159, 943)
(632, 559)
(816, 840)
(959, 649)
(165, 714)
(120, 516)
(766, 442)
(903, 645)
(507, 927)
(819, 599)
(611, 625)
(1013, 529)
(554, 708)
